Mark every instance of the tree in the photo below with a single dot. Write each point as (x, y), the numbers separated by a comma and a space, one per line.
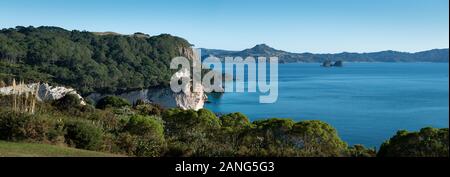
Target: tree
(266, 138)
(83, 134)
(145, 126)
(316, 138)
(181, 122)
(359, 150)
(149, 135)
(428, 142)
(235, 120)
(148, 108)
(112, 101)
(88, 62)
(192, 132)
(68, 101)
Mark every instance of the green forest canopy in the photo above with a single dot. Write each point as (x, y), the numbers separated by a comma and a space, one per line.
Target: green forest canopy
(89, 62)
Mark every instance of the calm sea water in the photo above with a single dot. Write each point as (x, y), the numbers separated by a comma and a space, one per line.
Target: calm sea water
(366, 102)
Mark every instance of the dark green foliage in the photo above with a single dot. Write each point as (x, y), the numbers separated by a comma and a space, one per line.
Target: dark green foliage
(86, 61)
(317, 138)
(179, 149)
(190, 130)
(179, 122)
(148, 108)
(188, 133)
(143, 136)
(69, 103)
(235, 120)
(145, 125)
(127, 143)
(276, 124)
(22, 126)
(146, 136)
(265, 138)
(197, 133)
(113, 102)
(284, 137)
(361, 151)
(428, 142)
(83, 134)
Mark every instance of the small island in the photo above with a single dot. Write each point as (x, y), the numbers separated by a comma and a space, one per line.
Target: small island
(329, 63)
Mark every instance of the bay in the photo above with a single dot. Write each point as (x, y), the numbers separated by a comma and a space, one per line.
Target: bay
(366, 102)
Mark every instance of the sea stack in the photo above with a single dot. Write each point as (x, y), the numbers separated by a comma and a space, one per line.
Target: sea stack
(328, 64)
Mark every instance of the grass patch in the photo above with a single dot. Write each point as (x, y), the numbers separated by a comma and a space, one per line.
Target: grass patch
(18, 149)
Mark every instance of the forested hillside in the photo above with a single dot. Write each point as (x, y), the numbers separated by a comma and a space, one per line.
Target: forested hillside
(89, 62)
(435, 55)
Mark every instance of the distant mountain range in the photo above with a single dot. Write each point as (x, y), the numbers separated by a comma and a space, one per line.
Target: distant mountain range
(435, 55)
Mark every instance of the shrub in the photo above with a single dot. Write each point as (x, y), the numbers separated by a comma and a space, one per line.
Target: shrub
(194, 129)
(57, 133)
(428, 142)
(23, 126)
(83, 134)
(359, 150)
(127, 143)
(266, 138)
(68, 101)
(145, 126)
(71, 104)
(283, 137)
(179, 149)
(235, 120)
(317, 138)
(149, 148)
(149, 109)
(146, 135)
(106, 119)
(112, 101)
(275, 124)
(109, 143)
(178, 121)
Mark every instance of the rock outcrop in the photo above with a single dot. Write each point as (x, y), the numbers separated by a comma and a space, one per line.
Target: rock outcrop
(194, 97)
(328, 63)
(45, 92)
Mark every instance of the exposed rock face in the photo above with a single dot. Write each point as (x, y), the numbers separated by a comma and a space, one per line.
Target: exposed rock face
(327, 64)
(194, 97)
(45, 91)
(162, 96)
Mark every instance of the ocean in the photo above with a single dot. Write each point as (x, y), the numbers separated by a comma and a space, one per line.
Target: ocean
(366, 102)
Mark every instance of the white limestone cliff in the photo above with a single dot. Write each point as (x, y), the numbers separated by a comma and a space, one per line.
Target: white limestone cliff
(45, 92)
(193, 96)
(164, 96)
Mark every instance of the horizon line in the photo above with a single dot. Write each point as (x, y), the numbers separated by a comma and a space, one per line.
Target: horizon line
(230, 50)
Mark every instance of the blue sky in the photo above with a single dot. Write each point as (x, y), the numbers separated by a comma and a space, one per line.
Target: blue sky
(319, 26)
